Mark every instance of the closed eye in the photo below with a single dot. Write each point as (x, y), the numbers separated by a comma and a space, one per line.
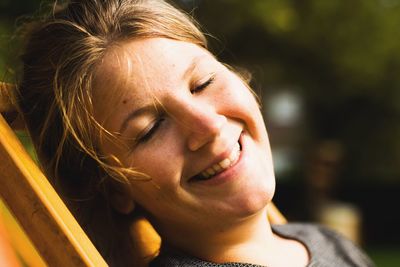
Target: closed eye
(203, 86)
(149, 132)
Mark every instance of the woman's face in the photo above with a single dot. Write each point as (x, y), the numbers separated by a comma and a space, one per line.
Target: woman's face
(190, 124)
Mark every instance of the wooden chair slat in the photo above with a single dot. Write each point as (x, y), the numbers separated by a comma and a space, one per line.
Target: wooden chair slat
(18, 239)
(45, 218)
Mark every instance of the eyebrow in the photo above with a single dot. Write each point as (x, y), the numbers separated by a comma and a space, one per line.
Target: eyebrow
(191, 68)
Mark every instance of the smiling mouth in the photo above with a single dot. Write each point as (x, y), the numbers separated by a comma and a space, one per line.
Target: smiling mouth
(219, 167)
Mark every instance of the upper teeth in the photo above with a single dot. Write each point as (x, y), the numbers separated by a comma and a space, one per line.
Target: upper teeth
(223, 164)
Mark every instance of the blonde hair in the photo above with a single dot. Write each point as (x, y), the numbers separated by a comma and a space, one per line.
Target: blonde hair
(55, 88)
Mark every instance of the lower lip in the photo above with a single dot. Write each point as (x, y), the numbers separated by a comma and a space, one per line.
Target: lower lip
(230, 173)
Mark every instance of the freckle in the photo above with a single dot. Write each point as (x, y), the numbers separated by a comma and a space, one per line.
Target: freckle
(124, 101)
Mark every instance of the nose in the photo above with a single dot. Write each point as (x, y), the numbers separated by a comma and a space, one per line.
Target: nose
(202, 124)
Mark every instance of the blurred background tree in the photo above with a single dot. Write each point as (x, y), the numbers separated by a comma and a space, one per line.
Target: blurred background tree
(328, 73)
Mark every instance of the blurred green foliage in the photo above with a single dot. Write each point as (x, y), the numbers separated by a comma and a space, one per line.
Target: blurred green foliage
(385, 257)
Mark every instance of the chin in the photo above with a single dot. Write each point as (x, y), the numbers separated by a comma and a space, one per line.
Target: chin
(255, 200)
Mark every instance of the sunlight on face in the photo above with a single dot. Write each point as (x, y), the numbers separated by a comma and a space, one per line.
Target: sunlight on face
(190, 124)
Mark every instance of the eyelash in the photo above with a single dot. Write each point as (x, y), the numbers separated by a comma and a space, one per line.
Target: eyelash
(150, 131)
(203, 86)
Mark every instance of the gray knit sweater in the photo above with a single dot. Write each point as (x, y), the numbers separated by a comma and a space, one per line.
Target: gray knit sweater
(326, 248)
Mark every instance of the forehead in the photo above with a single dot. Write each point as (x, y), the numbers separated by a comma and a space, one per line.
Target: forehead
(152, 61)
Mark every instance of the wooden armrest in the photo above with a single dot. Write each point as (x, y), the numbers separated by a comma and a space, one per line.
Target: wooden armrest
(45, 218)
(274, 215)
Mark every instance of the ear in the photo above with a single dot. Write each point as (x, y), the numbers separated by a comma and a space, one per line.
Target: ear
(121, 197)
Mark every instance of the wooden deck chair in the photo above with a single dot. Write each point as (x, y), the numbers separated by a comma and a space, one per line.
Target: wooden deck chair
(46, 220)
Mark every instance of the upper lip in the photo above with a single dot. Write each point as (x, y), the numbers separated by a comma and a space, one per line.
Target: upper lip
(217, 159)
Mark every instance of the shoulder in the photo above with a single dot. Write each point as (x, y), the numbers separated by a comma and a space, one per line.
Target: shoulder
(326, 247)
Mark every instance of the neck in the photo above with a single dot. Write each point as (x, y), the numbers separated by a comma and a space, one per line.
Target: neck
(244, 241)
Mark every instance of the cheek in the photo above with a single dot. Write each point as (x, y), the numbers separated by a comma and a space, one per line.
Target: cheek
(162, 161)
(153, 195)
(236, 94)
(239, 102)
(154, 165)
